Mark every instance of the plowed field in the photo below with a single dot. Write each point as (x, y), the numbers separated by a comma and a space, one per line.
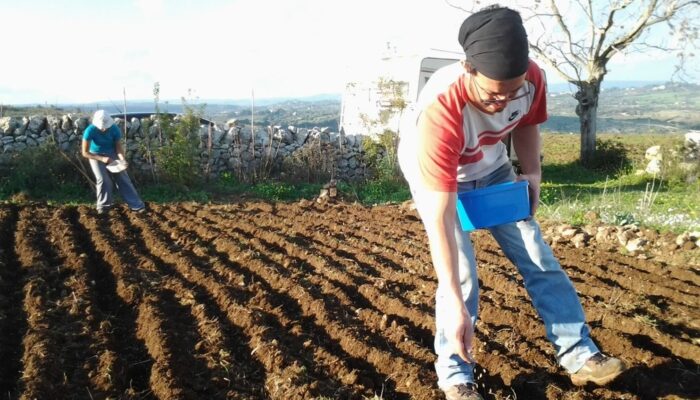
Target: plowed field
(302, 301)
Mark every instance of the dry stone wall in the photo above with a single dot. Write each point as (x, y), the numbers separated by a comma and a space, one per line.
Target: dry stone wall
(229, 148)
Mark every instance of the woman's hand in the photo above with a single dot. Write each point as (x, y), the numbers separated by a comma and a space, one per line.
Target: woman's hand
(106, 160)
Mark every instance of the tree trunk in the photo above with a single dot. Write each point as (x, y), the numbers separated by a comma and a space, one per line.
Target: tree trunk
(587, 111)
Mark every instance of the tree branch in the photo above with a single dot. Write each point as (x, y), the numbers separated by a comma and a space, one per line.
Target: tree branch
(552, 63)
(458, 7)
(643, 22)
(610, 23)
(565, 29)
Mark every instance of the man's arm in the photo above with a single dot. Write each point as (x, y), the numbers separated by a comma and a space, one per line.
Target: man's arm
(438, 213)
(527, 145)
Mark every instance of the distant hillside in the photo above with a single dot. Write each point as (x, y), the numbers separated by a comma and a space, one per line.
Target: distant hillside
(662, 108)
(607, 85)
(623, 108)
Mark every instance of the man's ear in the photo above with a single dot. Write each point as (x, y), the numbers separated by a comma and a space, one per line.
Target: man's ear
(468, 67)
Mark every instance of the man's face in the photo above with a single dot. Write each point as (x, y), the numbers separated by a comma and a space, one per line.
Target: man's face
(492, 96)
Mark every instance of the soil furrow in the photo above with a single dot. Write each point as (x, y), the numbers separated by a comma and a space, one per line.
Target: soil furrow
(333, 289)
(357, 263)
(381, 292)
(168, 327)
(13, 318)
(122, 364)
(101, 367)
(267, 340)
(55, 346)
(327, 313)
(406, 267)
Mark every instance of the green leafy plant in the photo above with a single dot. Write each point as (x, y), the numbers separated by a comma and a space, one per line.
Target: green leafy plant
(177, 160)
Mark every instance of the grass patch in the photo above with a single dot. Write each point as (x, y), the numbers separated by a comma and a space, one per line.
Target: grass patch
(622, 196)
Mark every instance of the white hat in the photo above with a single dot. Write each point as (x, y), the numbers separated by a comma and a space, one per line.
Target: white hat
(102, 120)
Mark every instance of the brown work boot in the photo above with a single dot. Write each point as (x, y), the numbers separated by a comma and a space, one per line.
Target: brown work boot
(599, 369)
(463, 391)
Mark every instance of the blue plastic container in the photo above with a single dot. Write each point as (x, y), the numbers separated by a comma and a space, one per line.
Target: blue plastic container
(493, 205)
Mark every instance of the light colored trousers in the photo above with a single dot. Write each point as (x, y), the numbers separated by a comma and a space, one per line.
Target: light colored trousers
(105, 182)
(550, 290)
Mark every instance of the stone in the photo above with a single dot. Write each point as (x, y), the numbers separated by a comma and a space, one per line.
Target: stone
(231, 123)
(654, 167)
(580, 240)
(302, 136)
(81, 124)
(135, 127)
(653, 153)
(635, 245)
(624, 236)
(36, 123)
(568, 232)
(682, 238)
(9, 125)
(66, 123)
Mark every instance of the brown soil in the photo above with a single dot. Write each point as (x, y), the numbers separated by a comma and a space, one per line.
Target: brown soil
(303, 301)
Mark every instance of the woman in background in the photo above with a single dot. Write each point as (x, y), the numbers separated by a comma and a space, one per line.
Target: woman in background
(102, 145)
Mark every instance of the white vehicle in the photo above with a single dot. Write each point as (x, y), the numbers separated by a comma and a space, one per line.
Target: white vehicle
(370, 107)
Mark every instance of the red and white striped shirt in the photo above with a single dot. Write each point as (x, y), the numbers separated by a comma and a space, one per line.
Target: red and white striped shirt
(454, 141)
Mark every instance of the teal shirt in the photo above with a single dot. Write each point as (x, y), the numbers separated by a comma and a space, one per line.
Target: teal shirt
(103, 142)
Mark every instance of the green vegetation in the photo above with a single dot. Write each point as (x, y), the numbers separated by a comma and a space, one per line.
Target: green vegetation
(44, 173)
(616, 192)
(178, 159)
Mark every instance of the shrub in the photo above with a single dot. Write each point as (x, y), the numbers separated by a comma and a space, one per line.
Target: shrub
(610, 157)
(177, 160)
(380, 156)
(313, 163)
(41, 170)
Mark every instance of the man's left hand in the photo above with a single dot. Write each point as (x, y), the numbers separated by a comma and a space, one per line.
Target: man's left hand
(534, 181)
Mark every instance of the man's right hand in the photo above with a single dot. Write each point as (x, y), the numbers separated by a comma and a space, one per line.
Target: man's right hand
(106, 160)
(460, 333)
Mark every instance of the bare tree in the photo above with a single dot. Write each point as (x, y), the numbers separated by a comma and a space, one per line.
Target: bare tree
(579, 38)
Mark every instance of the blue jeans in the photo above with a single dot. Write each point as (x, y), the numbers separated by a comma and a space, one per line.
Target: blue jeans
(104, 187)
(550, 290)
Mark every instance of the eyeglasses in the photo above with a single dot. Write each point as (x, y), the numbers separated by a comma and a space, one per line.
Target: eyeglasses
(493, 100)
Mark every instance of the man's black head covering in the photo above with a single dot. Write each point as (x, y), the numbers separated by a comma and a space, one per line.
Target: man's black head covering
(495, 43)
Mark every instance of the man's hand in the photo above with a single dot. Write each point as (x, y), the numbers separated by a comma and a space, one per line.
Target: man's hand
(534, 181)
(106, 160)
(460, 332)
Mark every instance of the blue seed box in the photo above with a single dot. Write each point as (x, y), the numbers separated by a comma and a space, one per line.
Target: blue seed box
(493, 205)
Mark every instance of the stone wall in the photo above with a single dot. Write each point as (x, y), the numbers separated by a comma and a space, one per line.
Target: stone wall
(229, 148)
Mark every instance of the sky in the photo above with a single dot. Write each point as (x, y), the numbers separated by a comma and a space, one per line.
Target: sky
(81, 51)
